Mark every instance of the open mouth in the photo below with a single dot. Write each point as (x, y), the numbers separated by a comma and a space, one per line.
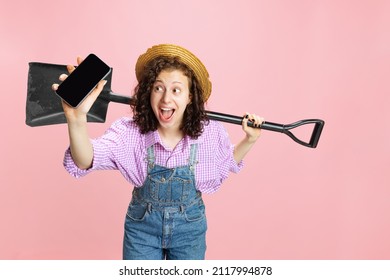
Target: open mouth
(166, 113)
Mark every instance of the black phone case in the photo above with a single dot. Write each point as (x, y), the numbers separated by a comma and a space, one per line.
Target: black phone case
(83, 80)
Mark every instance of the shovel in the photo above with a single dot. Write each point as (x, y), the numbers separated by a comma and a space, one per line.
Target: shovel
(44, 107)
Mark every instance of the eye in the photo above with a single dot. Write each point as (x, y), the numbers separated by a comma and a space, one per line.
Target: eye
(176, 90)
(158, 88)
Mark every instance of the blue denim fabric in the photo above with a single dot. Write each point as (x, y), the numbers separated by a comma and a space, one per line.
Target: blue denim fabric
(166, 216)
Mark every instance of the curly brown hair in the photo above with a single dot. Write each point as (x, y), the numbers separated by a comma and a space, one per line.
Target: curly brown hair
(194, 117)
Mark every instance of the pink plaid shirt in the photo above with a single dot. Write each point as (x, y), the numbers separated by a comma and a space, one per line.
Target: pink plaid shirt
(122, 147)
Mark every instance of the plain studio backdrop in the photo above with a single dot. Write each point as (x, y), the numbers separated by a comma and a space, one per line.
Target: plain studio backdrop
(283, 60)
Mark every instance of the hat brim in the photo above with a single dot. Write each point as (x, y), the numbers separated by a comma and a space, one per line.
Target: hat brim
(185, 56)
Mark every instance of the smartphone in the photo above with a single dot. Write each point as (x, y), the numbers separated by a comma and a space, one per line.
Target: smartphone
(83, 80)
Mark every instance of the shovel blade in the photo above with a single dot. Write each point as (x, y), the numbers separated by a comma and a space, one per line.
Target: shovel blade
(44, 107)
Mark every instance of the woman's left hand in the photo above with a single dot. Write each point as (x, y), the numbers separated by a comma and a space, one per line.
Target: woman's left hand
(252, 133)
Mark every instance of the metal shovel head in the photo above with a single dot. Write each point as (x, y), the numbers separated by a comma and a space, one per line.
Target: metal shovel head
(44, 106)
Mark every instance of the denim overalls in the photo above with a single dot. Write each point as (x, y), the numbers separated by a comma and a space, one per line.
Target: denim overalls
(166, 216)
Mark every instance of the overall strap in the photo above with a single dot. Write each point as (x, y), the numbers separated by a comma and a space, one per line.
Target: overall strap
(151, 158)
(193, 150)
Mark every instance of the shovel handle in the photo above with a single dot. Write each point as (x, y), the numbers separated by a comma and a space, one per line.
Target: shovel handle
(283, 128)
(116, 98)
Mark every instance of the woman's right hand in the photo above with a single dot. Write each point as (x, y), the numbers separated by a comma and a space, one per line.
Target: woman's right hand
(79, 113)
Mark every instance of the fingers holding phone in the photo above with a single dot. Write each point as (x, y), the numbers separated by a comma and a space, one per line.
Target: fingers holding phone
(70, 69)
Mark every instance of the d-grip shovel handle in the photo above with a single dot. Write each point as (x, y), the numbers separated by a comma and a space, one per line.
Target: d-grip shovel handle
(283, 128)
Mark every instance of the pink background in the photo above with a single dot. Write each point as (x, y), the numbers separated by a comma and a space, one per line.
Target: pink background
(284, 60)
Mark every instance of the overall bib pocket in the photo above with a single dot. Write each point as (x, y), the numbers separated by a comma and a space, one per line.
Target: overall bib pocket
(172, 190)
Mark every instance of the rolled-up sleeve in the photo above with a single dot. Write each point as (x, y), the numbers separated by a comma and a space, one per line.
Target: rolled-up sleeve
(225, 155)
(104, 149)
(216, 158)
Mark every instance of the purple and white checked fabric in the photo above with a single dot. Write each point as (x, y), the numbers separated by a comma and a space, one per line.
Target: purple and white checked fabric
(122, 147)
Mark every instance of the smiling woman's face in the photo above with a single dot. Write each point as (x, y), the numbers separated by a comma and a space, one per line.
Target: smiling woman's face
(169, 99)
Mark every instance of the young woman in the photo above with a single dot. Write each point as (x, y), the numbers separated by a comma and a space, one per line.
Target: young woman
(169, 151)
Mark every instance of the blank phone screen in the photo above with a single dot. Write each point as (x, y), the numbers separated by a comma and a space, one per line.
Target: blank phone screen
(83, 80)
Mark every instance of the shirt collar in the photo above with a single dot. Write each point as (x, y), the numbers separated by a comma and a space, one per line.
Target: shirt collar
(152, 137)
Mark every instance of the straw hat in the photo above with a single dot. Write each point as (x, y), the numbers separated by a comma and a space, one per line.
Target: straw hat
(185, 56)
